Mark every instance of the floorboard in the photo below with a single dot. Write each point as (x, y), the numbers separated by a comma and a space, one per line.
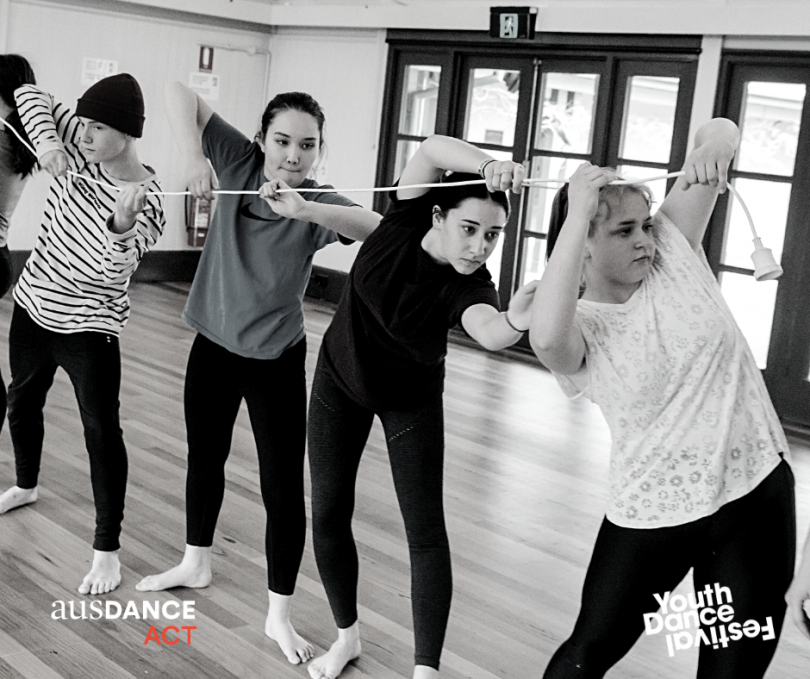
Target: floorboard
(525, 485)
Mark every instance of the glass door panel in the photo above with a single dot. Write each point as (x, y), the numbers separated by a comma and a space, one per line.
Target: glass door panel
(767, 99)
(417, 113)
(493, 117)
(537, 202)
(770, 123)
(768, 204)
(420, 96)
(649, 119)
(534, 259)
(566, 110)
(492, 104)
(771, 119)
(752, 304)
(565, 118)
(405, 151)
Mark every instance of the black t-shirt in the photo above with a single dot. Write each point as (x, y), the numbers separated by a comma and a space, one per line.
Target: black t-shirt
(387, 342)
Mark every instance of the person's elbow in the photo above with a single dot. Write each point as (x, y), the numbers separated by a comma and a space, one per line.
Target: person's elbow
(555, 354)
(491, 343)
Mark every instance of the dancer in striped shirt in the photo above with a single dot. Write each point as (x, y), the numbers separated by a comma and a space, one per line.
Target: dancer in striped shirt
(71, 299)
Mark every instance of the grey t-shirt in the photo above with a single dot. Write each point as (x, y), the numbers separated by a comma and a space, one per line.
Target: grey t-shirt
(248, 290)
(11, 186)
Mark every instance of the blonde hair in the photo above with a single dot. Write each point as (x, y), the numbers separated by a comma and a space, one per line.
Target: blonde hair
(559, 206)
(619, 191)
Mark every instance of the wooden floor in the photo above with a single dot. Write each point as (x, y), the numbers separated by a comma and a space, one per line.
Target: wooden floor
(525, 492)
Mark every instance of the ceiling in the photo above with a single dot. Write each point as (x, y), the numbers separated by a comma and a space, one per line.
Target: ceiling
(354, 3)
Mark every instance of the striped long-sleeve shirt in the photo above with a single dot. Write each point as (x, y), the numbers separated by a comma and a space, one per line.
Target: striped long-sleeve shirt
(77, 276)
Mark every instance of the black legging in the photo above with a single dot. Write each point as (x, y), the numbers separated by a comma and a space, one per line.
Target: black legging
(6, 276)
(275, 392)
(92, 361)
(338, 430)
(748, 546)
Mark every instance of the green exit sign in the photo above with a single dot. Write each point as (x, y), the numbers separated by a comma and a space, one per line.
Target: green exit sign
(511, 23)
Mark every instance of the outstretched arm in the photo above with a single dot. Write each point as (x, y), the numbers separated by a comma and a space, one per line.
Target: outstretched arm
(52, 128)
(553, 335)
(691, 201)
(188, 115)
(493, 330)
(352, 222)
(438, 154)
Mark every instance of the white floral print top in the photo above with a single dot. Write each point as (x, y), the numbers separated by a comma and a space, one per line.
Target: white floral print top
(691, 421)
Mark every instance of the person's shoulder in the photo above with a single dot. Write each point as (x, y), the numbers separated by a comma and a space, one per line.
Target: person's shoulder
(28, 89)
(426, 197)
(407, 208)
(219, 130)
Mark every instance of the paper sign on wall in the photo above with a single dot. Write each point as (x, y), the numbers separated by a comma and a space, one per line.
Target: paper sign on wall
(94, 70)
(204, 84)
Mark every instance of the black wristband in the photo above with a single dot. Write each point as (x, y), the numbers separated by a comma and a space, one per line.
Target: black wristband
(483, 166)
(509, 323)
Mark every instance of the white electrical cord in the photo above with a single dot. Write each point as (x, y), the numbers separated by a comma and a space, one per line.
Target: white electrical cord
(767, 268)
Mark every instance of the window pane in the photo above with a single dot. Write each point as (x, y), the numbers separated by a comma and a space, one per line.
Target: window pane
(419, 97)
(492, 103)
(538, 199)
(752, 304)
(768, 204)
(405, 151)
(770, 127)
(534, 259)
(649, 117)
(658, 187)
(565, 120)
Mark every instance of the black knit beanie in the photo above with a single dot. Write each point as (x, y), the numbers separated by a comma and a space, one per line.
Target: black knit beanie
(116, 101)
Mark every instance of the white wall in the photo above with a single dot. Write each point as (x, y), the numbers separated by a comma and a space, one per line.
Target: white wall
(696, 17)
(55, 38)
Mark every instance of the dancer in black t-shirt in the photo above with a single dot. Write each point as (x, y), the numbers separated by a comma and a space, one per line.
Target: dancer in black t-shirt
(420, 273)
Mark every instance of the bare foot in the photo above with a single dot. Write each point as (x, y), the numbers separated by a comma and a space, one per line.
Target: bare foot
(194, 571)
(278, 627)
(104, 575)
(343, 651)
(17, 497)
(425, 672)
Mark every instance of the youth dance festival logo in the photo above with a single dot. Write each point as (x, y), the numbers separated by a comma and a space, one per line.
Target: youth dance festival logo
(704, 618)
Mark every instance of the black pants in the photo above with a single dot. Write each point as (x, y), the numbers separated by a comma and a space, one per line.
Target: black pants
(275, 392)
(6, 275)
(92, 361)
(748, 546)
(338, 430)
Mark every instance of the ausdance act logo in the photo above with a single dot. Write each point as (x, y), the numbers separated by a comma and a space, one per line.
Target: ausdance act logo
(149, 610)
(704, 618)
